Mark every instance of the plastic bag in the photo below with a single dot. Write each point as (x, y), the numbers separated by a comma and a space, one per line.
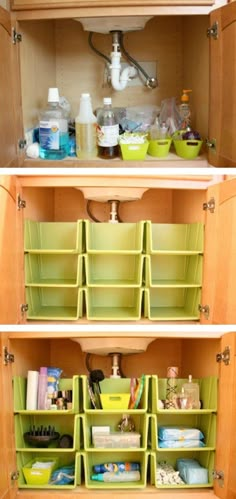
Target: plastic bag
(63, 475)
(170, 115)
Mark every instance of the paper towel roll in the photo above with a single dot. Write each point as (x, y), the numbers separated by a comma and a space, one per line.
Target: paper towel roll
(32, 390)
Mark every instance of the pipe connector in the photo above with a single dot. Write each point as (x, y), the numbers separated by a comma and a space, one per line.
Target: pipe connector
(119, 80)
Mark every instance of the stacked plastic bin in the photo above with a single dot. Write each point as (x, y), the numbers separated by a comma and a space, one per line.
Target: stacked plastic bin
(203, 419)
(114, 270)
(53, 269)
(110, 416)
(65, 422)
(174, 264)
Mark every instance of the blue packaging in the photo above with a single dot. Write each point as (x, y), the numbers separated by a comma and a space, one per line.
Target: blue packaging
(179, 433)
(176, 444)
(192, 472)
(54, 374)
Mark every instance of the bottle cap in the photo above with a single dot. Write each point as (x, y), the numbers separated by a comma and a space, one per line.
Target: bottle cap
(53, 95)
(43, 370)
(185, 97)
(85, 96)
(107, 100)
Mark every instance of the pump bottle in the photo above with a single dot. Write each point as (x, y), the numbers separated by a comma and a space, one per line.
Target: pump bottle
(184, 110)
(53, 129)
(85, 129)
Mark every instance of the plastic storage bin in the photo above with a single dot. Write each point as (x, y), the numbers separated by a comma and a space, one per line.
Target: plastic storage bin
(159, 148)
(53, 270)
(134, 152)
(54, 303)
(92, 458)
(19, 396)
(37, 475)
(114, 270)
(94, 419)
(188, 149)
(111, 303)
(174, 271)
(124, 238)
(183, 239)
(112, 386)
(55, 237)
(172, 303)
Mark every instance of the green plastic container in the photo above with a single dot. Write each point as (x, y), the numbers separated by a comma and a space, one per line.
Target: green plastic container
(121, 238)
(37, 475)
(174, 271)
(188, 149)
(92, 458)
(115, 386)
(174, 304)
(208, 394)
(109, 303)
(54, 303)
(19, 396)
(114, 270)
(55, 237)
(183, 239)
(134, 152)
(24, 460)
(159, 148)
(53, 270)
(206, 459)
(93, 419)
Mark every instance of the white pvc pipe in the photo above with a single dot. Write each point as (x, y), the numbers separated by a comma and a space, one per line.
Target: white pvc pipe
(119, 80)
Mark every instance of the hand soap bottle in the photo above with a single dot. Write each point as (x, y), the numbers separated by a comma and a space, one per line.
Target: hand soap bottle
(191, 391)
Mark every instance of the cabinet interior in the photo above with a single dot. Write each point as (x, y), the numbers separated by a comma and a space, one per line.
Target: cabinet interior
(57, 53)
(192, 356)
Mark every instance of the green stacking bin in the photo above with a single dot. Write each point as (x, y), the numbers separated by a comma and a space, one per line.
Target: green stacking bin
(55, 237)
(141, 422)
(204, 422)
(172, 304)
(92, 458)
(120, 238)
(20, 391)
(25, 459)
(109, 303)
(62, 423)
(174, 271)
(53, 270)
(208, 388)
(205, 459)
(174, 238)
(54, 303)
(114, 270)
(113, 386)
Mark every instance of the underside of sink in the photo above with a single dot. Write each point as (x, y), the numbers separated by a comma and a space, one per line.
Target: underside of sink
(106, 346)
(104, 194)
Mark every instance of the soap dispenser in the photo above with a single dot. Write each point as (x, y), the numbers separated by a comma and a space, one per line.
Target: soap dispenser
(191, 391)
(184, 110)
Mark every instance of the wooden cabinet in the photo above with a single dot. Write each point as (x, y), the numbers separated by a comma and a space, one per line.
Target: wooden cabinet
(208, 200)
(54, 51)
(191, 354)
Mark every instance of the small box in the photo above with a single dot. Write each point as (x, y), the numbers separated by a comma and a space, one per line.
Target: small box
(37, 475)
(113, 401)
(123, 440)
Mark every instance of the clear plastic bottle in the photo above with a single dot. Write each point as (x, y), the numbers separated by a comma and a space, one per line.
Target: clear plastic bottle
(119, 476)
(184, 110)
(86, 129)
(108, 131)
(191, 392)
(114, 467)
(53, 129)
(42, 388)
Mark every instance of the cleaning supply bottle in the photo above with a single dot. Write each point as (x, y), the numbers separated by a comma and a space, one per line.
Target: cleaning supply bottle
(119, 476)
(108, 131)
(53, 129)
(184, 110)
(42, 388)
(86, 129)
(114, 467)
(191, 391)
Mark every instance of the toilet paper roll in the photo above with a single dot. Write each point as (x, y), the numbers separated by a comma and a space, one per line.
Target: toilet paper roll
(32, 390)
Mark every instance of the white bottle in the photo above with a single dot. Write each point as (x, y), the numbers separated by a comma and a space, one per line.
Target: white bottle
(42, 388)
(53, 129)
(86, 129)
(191, 392)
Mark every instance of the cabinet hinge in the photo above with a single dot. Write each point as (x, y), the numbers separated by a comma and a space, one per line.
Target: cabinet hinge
(7, 356)
(21, 203)
(15, 475)
(218, 475)
(204, 309)
(210, 205)
(24, 308)
(211, 144)
(21, 144)
(213, 32)
(224, 356)
(16, 37)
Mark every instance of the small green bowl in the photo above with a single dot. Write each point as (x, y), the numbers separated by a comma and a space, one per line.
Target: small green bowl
(159, 147)
(188, 149)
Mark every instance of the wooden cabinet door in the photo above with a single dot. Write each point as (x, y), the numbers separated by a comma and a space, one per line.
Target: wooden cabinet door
(219, 273)
(222, 121)
(8, 465)
(8, 115)
(226, 434)
(9, 271)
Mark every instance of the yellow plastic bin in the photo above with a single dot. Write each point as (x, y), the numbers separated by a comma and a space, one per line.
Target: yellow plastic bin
(134, 151)
(38, 475)
(188, 149)
(159, 148)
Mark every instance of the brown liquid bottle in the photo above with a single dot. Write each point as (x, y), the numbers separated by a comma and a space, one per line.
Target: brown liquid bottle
(107, 131)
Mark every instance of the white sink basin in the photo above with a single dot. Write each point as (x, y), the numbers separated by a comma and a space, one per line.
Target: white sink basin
(106, 346)
(104, 194)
